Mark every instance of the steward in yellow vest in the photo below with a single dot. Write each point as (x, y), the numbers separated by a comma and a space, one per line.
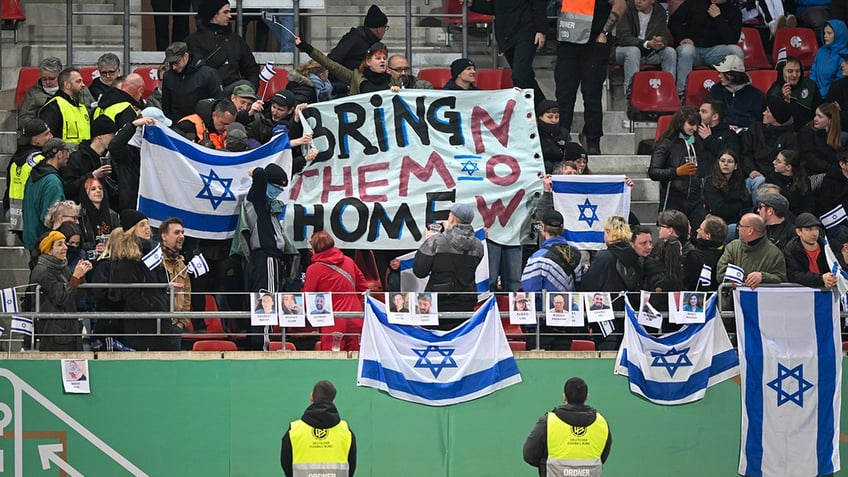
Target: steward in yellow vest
(320, 442)
(573, 440)
(34, 135)
(122, 103)
(64, 114)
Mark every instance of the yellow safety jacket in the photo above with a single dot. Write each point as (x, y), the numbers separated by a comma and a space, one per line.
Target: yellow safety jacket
(76, 126)
(320, 452)
(114, 110)
(575, 451)
(18, 177)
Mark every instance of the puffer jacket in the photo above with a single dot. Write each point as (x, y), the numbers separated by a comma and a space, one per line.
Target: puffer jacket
(450, 259)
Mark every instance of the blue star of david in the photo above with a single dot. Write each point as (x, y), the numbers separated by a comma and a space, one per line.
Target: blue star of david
(435, 368)
(797, 385)
(470, 167)
(662, 360)
(206, 192)
(588, 219)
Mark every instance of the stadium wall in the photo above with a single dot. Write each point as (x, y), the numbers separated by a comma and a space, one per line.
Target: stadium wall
(225, 418)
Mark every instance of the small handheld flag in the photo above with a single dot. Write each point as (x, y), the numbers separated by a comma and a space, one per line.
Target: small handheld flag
(267, 72)
(153, 258)
(706, 278)
(198, 266)
(734, 274)
(10, 300)
(22, 325)
(833, 217)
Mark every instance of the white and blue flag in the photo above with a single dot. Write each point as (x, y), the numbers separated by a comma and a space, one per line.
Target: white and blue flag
(153, 258)
(678, 367)
(706, 277)
(197, 266)
(268, 72)
(791, 360)
(410, 283)
(734, 273)
(21, 324)
(10, 300)
(433, 367)
(585, 202)
(199, 185)
(833, 217)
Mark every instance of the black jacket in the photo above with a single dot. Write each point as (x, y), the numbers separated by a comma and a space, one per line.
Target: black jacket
(353, 47)
(704, 252)
(727, 204)
(722, 138)
(798, 202)
(320, 415)
(452, 86)
(578, 415)
(692, 21)
(838, 92)
(761, 143)
(302, 88)
(684, 191)
(182, 91)
(832, 192)
(224, 51)
(817, 156)
(798, 264)
(614, 269)
(780, 234)
(515, 20)
(126, 167)
(451, 259)
(114, 96)
(80, 166)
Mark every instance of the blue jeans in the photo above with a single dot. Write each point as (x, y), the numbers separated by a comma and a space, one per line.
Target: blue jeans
(631, 57)
(690, 55)
(504, 261)
(283, 16)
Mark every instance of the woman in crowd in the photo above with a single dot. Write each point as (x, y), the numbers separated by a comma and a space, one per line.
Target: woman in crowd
(820, 139)
(669, 254)
(725, 194)
(106, 300)
(332, 271)
(310, 83)
(58, 293)
(834, 42)
(370, 76)
(616, 268)
(794, 184)
(97, 218)
(131, 243)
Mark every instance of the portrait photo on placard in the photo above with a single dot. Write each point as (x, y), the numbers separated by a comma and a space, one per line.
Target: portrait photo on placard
(319, 307)
(647, 314)
(598, 306)
(558, 313)
(522, 308)
(692, 308)
(264, 309)
(398, 302)
(291, 309)
(426, 308)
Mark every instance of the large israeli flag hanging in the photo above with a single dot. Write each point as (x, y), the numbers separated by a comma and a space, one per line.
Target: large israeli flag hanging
(791, 356)
(199, 185)
(585, 202)
(678, 367)
(433, 367)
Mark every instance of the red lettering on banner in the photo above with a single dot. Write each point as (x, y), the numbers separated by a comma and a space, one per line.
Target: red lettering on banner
(499, 131)
(508, 161)
(298, 183)
(364, 183)
(346, 186)
(497, 210)
(423, 173)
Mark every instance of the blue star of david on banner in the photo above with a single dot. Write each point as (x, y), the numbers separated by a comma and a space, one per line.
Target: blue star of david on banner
(206, 192)
(470, 167)
(794, 389)
(681, 359)
(589, 219)
(435, 368)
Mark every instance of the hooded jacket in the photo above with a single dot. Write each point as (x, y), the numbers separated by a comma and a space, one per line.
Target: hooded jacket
(302, 88)
(43, 189)
(614, 269)
(805, 97)
(182, 91)
(320, 415)
(761, 143)
(224, 51)
(826, 67)
(536, 445)
(321, 278)
(450, 259)
(743, 104)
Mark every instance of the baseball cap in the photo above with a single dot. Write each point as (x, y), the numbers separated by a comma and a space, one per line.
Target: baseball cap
(552, 218)
(157, 114)
(730, 63)
(31, 128)
(284, 97)
(245, 91)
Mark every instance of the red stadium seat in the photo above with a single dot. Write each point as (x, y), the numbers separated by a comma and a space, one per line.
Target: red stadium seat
(89, 73)
(654, 92)
(11, 15)
(27, 77)
(582, 345)
(474, 18)
(662, 124)
(698, 86)
(278, 82)
(494, 78)
(278, 346)
(150, 74)
(799, 42)
(755, 53)
(214, 326)
(763, 79)
(437, 76)
(214, 345)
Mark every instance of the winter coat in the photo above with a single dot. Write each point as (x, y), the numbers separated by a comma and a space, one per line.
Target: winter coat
(684, 192)
(743, 104)
(578, 416)
(182, 91)
(321, 278)
(515, 20)
(832, 192)
(359, 81)
(58, 294)
(703, 252)
(114, 96)
(126, 167)
(452, 86)
(761, 143)
(805, 97)
(692, 21)
(727, 204)
(826, 67)
(798, 264)
(798, 202)
(302, 88)
(838, 93)
(320, 415)
(224, 51)
(816, 155)
(554, 141)
(450, 259)
(761, 255)
(353, 47)
(43, 188)
(36, 97)
(613, 270)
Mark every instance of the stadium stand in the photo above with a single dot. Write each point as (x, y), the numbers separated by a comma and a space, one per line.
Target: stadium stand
(752, 46)
(437, 76)
(799, 42)
(698, 86)
(27, 77)
(654, 92)
(214, 345)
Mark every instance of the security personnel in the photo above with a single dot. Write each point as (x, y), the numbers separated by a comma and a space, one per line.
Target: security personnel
(208, 126)
(573, 440)
(34, 135)
(67, 117)
(122, 103)
(319, 443)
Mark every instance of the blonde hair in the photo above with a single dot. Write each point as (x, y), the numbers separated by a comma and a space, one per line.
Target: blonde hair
(125, 244)
(53, 212)
(310, 66)
(617, 229)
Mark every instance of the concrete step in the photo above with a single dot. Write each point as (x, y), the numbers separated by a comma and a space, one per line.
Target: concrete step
(645, 211)
(111, 35)
(14, 277)
(48, 13)
(627, 163)
(644, 189)
(8, 142)
(7, 238)
(612, 122)
(8, 119)
(14, 257)
(618, 143)
(4, 162)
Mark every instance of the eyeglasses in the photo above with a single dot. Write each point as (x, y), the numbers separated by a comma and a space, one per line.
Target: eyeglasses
(401, 70)
(108, 72)
(384, 27)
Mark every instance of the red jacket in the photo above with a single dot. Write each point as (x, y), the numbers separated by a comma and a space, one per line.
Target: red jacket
(321, 278)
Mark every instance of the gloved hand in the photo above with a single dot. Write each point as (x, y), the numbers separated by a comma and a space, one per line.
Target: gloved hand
(687, 169)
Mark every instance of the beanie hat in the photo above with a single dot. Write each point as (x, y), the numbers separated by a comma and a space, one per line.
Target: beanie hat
(458, 66)
(546, 105)
(276, 175)
(46, 243)
(130, 217)
(236, 137)
(464, 213)
(209, 8)
(779, 108)
(31, 128)
(375, 18)
(103, 125)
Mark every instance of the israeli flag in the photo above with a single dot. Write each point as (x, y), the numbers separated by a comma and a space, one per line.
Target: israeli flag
(10, 300)
(22, 325)
(432, 367)
(676, 368)
(197, 266)
(607, 327)
(267, 72)
(153, 258)
(197, 184)
(585, 202)
(410, 283)
(734, 273)
(791, 360)
(706, 278)
(833, 217)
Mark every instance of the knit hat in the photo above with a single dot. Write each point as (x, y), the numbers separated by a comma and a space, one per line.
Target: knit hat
(463, 213)
(779, 108)
(276, 175)
(574, 151)
(103, 125)
(730, 63)
(209, 8)
(245, 91)
(52, 146)
(284, 97)
(545, 105)
(236, 137)
(552, 218)
(130, 217)
(379, 46)
(46, 243)
(458, 66)
(31, 128)
(175, 52)
(375, 18)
